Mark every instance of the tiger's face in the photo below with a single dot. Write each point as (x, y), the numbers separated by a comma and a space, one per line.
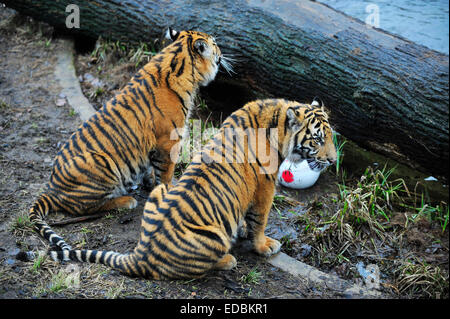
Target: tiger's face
(204, 53)
(311, 136)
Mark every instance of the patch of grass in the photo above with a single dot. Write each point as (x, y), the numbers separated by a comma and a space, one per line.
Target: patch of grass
(444, 219)
(98, 92)
(115, 291)
(22, 223)
(81, 244)
(3, 105)
(66, 278)
(42, 140)
(277, 200)
(85, 230)
(417, 279)
(47, 43)
(58, 282)
(282, 203)
(104, 47)
(252, 277)
(433, 213)
(72, 112)
(372, 219)
(202, 105)
(37, 264)
(139, 54)
(110, 216)
(371, 201)
(339, 142)
(286, 242)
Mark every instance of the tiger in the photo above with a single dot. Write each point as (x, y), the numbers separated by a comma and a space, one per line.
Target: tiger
(128, 141)
(225, 193)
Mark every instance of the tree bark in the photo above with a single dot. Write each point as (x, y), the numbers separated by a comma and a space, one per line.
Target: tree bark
(384, 92)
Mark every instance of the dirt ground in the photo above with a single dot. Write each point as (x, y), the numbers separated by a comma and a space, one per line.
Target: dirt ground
(35, 120)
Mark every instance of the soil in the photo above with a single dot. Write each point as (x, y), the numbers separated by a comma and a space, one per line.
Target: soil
(35, 120)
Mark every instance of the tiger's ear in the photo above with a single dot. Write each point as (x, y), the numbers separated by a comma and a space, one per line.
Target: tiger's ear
(315, 102)
(171, 34)
(200, 46)
(293, 118)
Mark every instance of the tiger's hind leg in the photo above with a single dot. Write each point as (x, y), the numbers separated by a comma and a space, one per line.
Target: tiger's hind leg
(227, 262)
(100, 182)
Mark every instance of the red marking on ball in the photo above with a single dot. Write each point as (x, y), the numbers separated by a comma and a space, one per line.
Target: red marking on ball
(287, 176)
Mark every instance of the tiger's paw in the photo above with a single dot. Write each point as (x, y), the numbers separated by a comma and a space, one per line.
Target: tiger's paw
(267, 246)
(226, 263)
(127, 202)
(130, 202)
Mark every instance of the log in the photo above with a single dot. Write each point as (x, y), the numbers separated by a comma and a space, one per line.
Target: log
(385, 93)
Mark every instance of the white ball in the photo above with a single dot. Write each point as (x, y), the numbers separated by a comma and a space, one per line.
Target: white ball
(297, 175)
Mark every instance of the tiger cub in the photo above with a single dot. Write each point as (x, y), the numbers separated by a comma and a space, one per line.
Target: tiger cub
(128, 141)
(190, 228)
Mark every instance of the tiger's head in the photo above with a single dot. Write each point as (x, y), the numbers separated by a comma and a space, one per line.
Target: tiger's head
(311, 137)
(204, 53)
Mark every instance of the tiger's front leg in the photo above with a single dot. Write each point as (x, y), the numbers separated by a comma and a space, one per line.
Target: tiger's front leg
(257, 218)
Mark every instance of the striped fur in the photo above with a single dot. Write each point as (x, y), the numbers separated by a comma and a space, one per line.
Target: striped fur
(190, 228)
(128, 141)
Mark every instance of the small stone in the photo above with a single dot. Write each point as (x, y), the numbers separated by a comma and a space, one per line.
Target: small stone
(88, 77)
(10, 261)
(60, 102)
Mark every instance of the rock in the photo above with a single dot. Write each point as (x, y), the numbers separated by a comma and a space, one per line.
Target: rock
(13, 252)
(60, 102)
(97, 83)
(88, 77)
(10, 262)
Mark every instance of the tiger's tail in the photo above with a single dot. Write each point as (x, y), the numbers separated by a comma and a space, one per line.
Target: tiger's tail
(38, 212)
(125, 263)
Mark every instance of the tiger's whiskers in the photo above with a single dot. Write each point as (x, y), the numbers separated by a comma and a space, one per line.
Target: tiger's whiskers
(226, 62)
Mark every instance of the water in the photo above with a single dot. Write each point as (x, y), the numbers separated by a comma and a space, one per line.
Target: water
(422, 21)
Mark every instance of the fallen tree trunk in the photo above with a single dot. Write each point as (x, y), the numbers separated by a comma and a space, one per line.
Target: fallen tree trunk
(384, 92)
